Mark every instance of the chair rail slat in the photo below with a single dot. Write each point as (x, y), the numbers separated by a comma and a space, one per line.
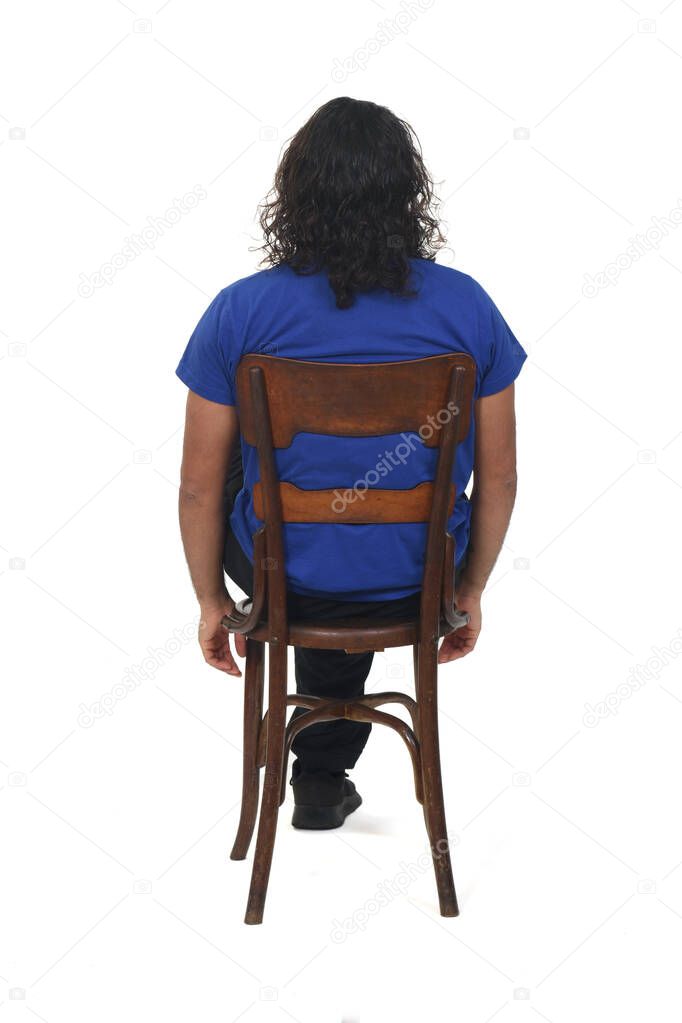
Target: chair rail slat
(345, 505)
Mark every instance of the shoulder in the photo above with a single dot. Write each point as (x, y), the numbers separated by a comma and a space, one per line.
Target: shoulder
(254, 285)
(447, 280)
(246, 299)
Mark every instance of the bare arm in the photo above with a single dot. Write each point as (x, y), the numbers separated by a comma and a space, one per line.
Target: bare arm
(494, 491)
(492, 501)
(211, 430)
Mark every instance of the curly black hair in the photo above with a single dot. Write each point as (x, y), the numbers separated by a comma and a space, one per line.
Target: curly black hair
(352, 197)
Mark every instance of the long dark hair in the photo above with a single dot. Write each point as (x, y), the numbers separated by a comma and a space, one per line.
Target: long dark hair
(352, 197)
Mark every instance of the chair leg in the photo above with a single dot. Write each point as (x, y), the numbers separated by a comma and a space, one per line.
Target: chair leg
(434, 809)
(267, 825)
(253, 713)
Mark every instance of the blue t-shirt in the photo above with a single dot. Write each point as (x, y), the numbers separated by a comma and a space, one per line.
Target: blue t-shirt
(278, 312)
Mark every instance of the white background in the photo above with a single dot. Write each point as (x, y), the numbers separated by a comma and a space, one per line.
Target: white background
(119, 897)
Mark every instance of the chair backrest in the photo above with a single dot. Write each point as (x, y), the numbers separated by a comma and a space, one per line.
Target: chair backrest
(430, 397)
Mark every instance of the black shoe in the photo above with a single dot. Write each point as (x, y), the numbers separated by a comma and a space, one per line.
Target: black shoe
(323, 799)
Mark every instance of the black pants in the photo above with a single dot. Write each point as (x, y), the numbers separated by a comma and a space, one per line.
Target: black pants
(330, 745)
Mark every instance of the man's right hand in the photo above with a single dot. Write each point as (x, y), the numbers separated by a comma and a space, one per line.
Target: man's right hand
(214, 640)
(461, 642)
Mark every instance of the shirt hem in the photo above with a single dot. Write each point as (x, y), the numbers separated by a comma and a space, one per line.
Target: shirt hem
(488, 388)
(200, 389)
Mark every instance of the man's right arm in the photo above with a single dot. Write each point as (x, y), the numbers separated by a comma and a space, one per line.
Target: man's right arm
(492, 501)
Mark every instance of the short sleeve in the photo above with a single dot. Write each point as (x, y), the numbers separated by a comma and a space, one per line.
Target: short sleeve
(204, 364)
(502, 355)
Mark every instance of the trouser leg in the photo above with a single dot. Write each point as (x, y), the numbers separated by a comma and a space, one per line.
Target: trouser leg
(331, 674)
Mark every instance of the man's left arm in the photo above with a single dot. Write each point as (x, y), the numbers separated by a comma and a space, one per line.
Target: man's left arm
(211, 430)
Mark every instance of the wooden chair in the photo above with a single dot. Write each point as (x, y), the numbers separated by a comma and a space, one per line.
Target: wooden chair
(278, 398)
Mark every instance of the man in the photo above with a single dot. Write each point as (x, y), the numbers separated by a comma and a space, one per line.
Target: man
(350, 239)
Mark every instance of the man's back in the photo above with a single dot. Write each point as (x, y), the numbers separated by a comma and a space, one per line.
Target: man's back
(289, 315)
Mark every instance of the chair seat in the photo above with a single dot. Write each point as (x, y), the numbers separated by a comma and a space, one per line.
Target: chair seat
(349, 634)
